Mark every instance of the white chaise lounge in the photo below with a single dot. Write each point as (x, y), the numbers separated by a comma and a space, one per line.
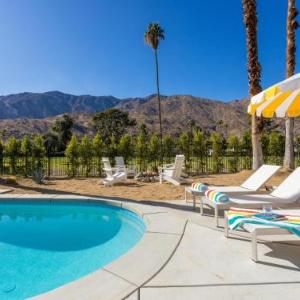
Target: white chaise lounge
(287, 193)
(113, 175)
(251, 185)
(173, 173)
(257, 230)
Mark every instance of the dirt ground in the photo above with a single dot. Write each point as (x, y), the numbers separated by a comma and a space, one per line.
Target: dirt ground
(132, 189)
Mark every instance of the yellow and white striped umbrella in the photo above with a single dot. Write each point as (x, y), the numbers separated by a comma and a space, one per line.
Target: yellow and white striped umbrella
(280, 100)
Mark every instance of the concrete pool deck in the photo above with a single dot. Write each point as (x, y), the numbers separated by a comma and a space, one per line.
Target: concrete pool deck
(184, 256)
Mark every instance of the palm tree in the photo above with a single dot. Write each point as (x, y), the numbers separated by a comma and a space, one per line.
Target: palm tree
(254, 75)
(291, 26)
(153, 36)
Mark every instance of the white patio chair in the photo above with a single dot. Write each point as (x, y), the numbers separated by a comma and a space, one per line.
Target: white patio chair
(120, 164)
(113, 175)
(173, 173)
(287, 193)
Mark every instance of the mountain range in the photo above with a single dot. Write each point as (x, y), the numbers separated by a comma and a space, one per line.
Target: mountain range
(31, 113)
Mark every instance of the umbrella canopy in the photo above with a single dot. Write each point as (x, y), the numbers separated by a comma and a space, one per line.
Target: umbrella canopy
(280, 100)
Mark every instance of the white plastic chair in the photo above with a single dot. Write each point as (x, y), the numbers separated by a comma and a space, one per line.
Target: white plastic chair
(120, 164)
(113, 175)
(173, 173)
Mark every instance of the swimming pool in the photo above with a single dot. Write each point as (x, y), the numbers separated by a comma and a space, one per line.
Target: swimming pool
(44, 245)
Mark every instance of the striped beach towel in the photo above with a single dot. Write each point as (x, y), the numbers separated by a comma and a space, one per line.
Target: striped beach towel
(216, 197)
(198, 186)
(237, 217)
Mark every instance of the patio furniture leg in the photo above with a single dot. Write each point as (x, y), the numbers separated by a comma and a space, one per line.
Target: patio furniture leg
(194, 201)
(217, 216)
(201, 206)
(226, 231)
(254, 246)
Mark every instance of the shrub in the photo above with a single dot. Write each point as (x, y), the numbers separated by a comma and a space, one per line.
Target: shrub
(168, 147)
(154, 150)
(26, 152)
(199, 148)
(125, 147)
(246, 150)
(38, 175)
(112, 149)
(217, 153)
(38, 153)
(98, 148)
(72, 154)
(12, 151)
(275, 147)
(1, 156)
(184, 147)
(141, 148)
(86, 154)
(233, 149)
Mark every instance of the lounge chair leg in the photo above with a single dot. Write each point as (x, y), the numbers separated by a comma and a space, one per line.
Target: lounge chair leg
(226, 231)
(254, 246)
(194, 201)
(217, 216)
(201, 206)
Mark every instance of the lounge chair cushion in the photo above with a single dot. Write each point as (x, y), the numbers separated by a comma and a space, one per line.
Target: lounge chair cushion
(198, 186)
(216, 197)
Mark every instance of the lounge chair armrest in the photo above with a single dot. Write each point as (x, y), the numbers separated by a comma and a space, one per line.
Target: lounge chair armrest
(161, 169)
(121, 166)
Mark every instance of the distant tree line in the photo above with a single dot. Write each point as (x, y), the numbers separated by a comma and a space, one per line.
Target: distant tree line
(142, 149)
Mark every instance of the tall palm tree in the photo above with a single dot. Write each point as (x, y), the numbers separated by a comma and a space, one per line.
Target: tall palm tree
(254, 75)
(291, 26)
(153, 36)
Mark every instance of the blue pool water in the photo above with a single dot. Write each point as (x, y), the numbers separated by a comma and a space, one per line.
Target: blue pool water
(45, 245)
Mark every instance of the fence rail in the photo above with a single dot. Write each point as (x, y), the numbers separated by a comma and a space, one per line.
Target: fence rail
(58, 166)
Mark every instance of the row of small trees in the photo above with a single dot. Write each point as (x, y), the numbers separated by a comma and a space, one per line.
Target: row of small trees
(197, 146)
(32, 153)
(143, 150)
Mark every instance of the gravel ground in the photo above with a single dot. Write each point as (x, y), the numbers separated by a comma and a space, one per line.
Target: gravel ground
(132, 189)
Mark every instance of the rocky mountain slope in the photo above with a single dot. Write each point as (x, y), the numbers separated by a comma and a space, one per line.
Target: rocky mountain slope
(31, 113)
(42, 105)
(179, 110)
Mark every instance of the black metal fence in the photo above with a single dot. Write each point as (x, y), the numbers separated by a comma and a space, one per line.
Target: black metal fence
(58, 166)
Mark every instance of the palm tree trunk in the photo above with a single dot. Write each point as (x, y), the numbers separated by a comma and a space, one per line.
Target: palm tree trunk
(159, 107)
(291, 26)
(257, 155)
(254, 74)
(289, 157)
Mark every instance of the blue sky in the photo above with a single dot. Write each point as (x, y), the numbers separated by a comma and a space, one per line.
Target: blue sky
(96, 46)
